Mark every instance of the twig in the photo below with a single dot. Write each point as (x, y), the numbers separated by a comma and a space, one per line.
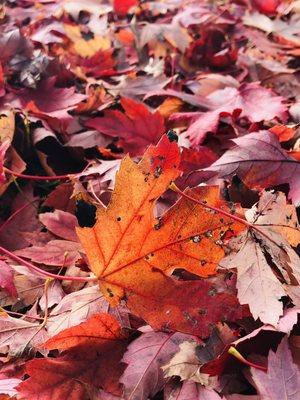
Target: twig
(43, 272)
(38, 177)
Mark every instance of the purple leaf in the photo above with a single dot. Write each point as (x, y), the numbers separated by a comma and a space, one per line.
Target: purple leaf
(282, 381)
(259, 161)
(60, 223)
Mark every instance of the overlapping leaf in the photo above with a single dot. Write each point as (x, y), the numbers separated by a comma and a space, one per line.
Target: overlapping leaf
(135, 253)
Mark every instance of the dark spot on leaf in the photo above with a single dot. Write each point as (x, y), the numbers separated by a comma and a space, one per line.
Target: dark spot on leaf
(119, 219)
(85, 214)
(202, 311)
(110, 293)
(212, 292)
(208, 234)
(172, 136)
(159, 224)
(158, 171)
(203, 262)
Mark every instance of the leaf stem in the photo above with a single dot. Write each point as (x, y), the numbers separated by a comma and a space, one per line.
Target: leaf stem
(233, 351)
(38, 177)
(43, 272)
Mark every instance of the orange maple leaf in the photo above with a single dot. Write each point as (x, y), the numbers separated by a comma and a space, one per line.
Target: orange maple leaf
(133, 253)
(98, 330)
(91, 360)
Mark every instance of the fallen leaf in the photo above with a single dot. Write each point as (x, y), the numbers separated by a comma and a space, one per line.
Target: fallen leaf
(135, 251)
(56, 252)
(91, 362)
(60, 223)
(186, 365)
(191, 391)
(258, 284)
(77, 306)
(282, 381)
(269, 167)
(96, 331)
(254, 101)
(137, 128)
(20, 336)
(143, 376)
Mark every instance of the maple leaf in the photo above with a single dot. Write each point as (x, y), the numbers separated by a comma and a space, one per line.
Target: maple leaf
(191, 391)
(254, 101)
(286, 30)
(283, 132)
(143, 376)
(57, 100)
(30, 288)
(20, 336)
(133, 86)
(96, 331)
(52, 108)
(214, 354)
(186, 365)
(282, 381)
(135, 254)
(100, 64)
(93, 351)
(60, 198)
(258, 284)
(173, 33)
(138, 127)
(269, 166)
(77, 306)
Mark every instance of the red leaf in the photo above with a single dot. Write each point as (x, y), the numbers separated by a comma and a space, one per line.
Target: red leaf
(138, 127)
(96, 331)
(121, 7)
(266, 6)
(284, 133)
(92, 362)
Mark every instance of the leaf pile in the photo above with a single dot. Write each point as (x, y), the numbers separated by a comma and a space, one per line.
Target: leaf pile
(150, 194)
